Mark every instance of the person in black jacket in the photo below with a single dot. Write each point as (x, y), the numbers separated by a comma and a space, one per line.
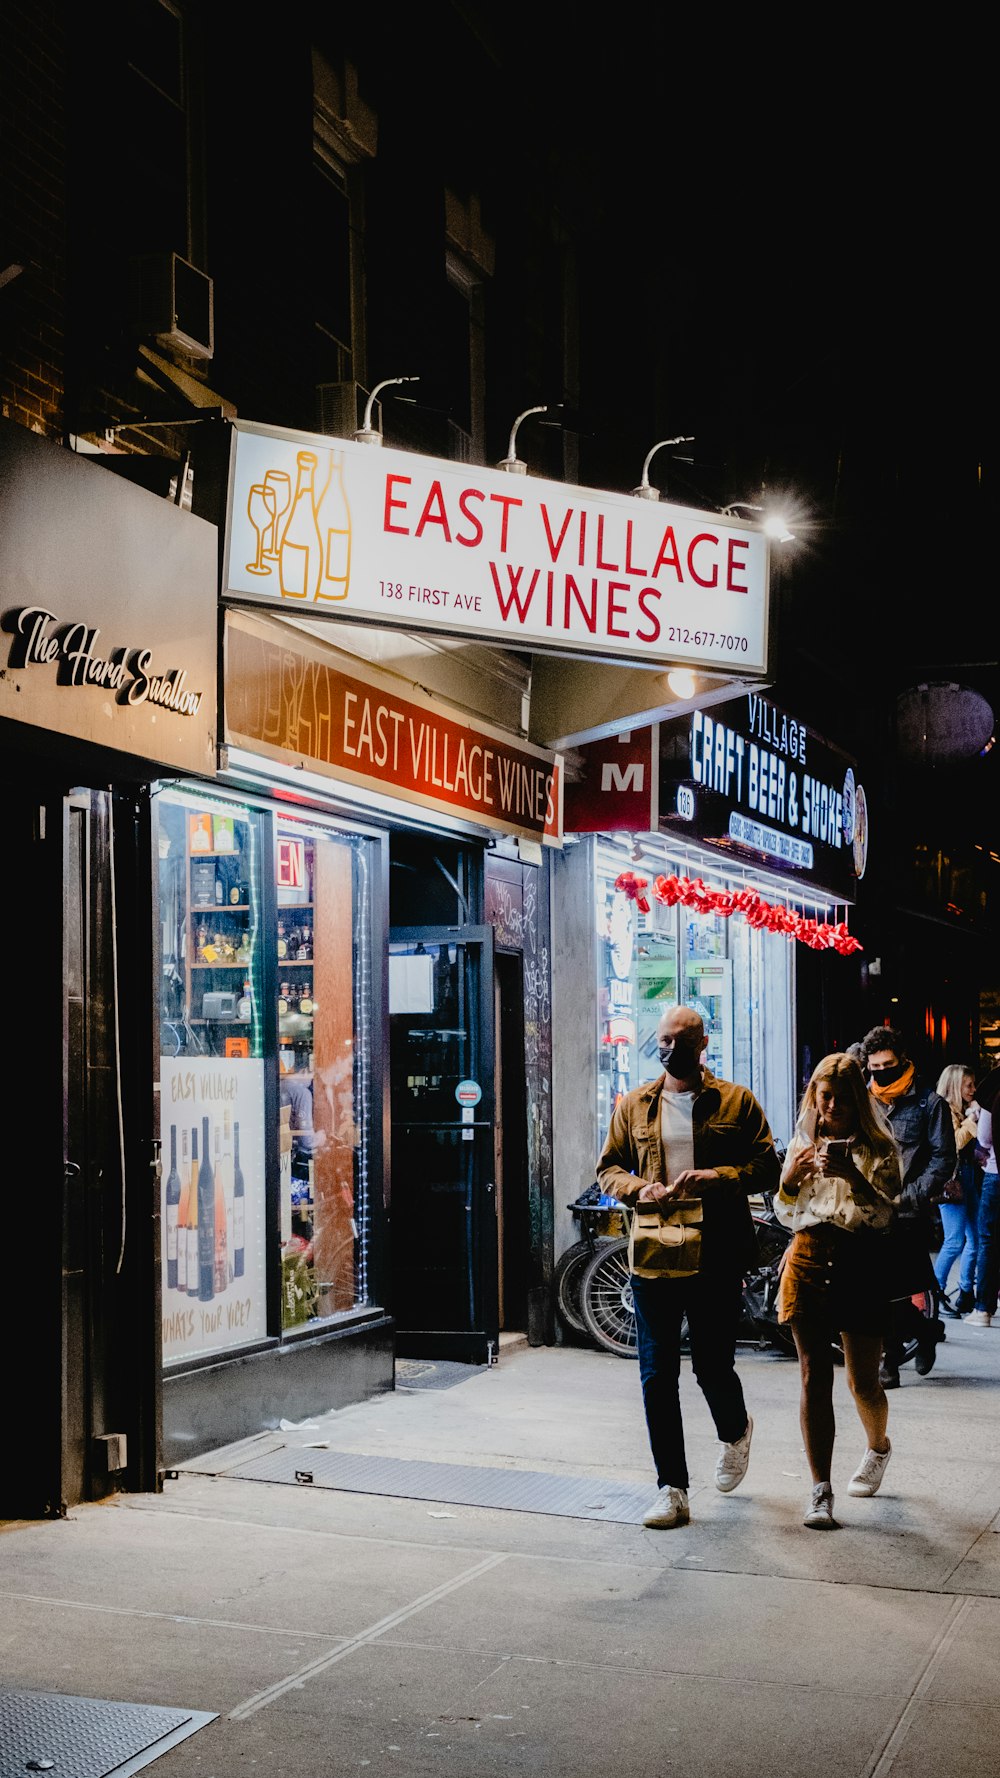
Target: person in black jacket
(921, 1124)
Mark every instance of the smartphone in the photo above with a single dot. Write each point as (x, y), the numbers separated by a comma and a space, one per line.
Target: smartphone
(839, 1146)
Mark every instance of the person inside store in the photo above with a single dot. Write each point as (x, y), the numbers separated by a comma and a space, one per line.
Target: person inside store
(959, 1208)
(984, 1311)
(296, 1091)
(921, 1124)
(690, 1145)
(840, 1185)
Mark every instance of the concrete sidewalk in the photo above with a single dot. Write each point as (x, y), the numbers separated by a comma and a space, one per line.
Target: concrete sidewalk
(330, 1631)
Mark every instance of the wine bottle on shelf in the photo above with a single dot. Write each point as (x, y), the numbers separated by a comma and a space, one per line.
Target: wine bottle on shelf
(173, 1198)
(206, 1220)
(182, 1212)
(220, 1274)
(239, 1205)
(192, 1220)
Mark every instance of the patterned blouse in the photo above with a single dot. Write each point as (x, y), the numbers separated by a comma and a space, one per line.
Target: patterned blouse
(823, 1198)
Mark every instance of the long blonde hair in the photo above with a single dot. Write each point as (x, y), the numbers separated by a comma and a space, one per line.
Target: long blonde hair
(950, 1087)
(843, 1070)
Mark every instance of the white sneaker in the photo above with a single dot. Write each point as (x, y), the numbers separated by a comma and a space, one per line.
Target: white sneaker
(978, 1318)
(733, 1460)
(867, 1478)
(819, 1513)
(670, 1508)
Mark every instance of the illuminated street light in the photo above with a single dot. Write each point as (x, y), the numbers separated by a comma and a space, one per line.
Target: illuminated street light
(772, 524)
(644, 491)
(682, 682)
(512, 462)
(368, 434)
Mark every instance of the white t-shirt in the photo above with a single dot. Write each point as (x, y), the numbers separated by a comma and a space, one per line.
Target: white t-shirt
(676, 1132)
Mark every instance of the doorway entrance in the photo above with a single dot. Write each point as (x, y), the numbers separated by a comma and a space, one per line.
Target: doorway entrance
(443, 1207)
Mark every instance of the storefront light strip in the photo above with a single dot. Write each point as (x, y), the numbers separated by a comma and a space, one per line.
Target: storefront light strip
(271, 773)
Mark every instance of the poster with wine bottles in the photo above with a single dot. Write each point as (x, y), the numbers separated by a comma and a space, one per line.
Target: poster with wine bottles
(212, 1204)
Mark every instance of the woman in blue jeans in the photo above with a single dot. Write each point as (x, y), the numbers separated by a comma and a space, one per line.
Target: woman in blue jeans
(959, 1220)
(988, 1231)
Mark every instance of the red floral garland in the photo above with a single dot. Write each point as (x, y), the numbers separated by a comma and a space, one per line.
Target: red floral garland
(633, 887)
(694, 893)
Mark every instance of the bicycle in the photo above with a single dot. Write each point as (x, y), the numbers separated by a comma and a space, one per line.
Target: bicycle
(602, 1228)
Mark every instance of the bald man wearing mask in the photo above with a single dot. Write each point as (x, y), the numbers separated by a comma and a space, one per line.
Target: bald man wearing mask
(689, 1135)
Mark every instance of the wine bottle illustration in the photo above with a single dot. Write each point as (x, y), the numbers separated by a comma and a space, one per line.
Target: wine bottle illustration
(334, 518)
(206, 1220)
(227, 1186)
(182, 1211)
(173, 1198)
(220, 1273)
(239, 1206)
(192, 1220)
(300, 558)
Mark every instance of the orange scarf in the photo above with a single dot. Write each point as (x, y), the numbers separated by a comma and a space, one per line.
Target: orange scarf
(898, 1087)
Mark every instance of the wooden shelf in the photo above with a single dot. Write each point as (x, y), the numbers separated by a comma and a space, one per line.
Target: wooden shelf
(244, 966)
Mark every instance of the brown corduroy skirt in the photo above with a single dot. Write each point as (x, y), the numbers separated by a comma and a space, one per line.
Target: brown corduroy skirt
(837, 1276)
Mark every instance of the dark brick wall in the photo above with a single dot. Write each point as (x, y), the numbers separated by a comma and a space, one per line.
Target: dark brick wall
(33, 229)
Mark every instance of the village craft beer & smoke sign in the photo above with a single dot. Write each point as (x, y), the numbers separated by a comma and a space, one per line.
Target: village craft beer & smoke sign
(337, 529)
(748, 778)
(302, 702)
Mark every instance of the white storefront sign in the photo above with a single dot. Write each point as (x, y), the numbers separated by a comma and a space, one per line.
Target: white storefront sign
(335, 529)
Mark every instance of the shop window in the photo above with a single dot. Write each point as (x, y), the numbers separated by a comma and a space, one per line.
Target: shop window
(229, 937)
(739, 979)
(323, 1054)
(213, 1220)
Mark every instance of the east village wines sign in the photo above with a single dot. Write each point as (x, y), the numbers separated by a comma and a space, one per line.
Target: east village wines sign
(338, 529)
(298, 700)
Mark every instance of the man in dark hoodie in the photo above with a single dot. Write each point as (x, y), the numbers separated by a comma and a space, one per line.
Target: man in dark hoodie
(921, 1123)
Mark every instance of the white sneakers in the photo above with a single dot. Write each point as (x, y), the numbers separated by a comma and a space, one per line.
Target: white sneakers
(867, 1478)
(733, 1460)
(819, 1512)
(670, 1508)
(978, 1318)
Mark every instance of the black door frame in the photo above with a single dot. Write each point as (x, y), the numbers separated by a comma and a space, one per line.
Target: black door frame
(478, 1344)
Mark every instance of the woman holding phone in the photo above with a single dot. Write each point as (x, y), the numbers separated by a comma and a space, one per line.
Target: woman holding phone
(839, 1187)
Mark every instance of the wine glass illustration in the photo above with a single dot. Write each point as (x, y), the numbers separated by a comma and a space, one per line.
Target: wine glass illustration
(260, 511)
(280, 486)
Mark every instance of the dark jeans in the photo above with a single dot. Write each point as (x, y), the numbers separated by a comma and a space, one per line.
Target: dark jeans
(712, 1306)
(988, 1244)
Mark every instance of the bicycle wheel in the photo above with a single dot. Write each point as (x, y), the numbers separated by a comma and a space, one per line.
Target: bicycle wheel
(567, 1281)
(606, 1299)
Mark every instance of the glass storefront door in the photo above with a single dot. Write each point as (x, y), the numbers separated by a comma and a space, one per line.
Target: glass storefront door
(443, 1224)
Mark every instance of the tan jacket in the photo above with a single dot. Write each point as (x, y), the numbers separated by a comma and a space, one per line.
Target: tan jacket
(731, 1135)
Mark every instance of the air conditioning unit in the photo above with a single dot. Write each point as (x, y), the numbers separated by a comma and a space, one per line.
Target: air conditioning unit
(171, 301)
(341, 408)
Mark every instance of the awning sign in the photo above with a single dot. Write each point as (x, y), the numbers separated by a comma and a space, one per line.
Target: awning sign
(338, 530)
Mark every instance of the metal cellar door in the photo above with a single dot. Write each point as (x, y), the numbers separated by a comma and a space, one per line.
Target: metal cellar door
(443, 1217)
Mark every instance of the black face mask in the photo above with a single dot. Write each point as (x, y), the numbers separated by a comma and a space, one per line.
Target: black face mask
(679, 1058)
(885, 1077)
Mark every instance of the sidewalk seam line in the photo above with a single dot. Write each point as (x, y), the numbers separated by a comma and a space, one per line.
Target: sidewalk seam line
(881, 1764)
(313, 1668)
